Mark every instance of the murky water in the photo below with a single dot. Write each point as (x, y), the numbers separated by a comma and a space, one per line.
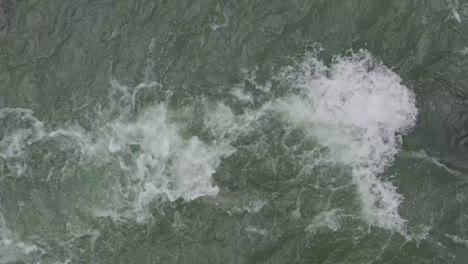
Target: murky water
(233, 131)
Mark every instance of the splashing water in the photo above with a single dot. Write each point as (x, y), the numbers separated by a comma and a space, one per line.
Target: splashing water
(156, 159)
(358, 109)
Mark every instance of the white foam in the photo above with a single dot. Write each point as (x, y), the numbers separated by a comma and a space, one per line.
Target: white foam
(215, 26)
(356, 108)
(157, 160)
(456, 15)
(12, 249)
(464, 51)
(242, 96)
(166, 162)
(255, 230)
(458, 239)
(454, 5)
(424, 156)
(163, 163)
(253, 206)
(225, 126)
(329, 219)
(20, 130)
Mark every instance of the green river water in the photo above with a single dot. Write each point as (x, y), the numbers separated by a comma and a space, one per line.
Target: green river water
(205, 131)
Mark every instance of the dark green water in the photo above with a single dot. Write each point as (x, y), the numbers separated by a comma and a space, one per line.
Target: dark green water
(234, 131)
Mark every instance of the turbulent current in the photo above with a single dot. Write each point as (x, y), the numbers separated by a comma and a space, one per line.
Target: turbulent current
(233, 132)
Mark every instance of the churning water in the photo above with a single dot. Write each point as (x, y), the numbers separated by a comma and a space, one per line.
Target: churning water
(233, 132)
